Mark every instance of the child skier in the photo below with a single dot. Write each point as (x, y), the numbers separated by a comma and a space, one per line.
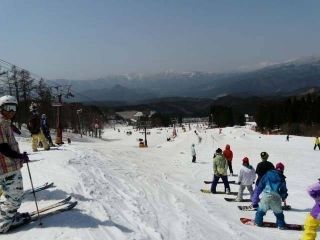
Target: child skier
(247, 176)
(313, 218)
(220, 167)
(273, 185)
(228, 154)
(10, 164)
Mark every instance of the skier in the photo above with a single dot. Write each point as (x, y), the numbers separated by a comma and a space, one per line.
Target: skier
(312, 221)
(193, 153)
(228, 154)
(263, 166)
(247, 176)
(273, 186)
(316, 143)
(45, 129)
(288, 138)
(35, 130)
(11, 161)
(220, 168)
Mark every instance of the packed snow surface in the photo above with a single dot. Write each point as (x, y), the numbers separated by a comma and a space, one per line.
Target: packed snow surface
(127, 192)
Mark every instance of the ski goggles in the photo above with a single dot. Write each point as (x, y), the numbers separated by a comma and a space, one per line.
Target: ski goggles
(10, 107)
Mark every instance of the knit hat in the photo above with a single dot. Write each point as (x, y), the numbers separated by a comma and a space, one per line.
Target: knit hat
(245, 160)
(219, 150)
(314, 191)
(264, 156)
(280, 166)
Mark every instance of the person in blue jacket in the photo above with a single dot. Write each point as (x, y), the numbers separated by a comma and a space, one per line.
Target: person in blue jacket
(273, 186)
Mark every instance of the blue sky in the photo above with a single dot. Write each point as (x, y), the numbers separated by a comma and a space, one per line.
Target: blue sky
(87, 39)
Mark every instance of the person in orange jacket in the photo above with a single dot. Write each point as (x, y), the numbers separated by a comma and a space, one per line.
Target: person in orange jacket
(228, 154)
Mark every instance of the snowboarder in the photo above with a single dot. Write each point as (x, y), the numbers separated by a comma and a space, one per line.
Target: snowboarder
(263, 166)
(193, 153)
(273, 186)
(11, 161)
(228, 154)
(35, 129)
(312, 221)
(247, 176)
(45, 129)
(316, 143)
(220, 167)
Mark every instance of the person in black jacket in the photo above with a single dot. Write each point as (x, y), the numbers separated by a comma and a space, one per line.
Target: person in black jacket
(35, 129)
(263, 167)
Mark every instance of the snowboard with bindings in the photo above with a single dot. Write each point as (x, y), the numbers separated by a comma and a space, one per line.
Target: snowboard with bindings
(251, 208)
(235, 200)
(52, 209)
(210, 182)
(217, 192)
(296, 227)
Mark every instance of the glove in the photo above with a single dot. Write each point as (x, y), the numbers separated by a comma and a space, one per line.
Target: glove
(24, 157)
(239, 183)
(255, 205)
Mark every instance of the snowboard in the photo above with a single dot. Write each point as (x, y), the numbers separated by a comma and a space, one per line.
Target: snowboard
(234, 200)
(52, 209)
(217, 192)
(250, 208)
(210, 182)
(248, 221)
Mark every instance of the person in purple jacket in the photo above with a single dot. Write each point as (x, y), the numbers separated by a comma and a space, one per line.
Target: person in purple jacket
(312, 221)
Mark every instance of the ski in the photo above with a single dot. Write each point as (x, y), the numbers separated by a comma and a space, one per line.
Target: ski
(235, 200)
(210, 182)
(39, 188)
(218, 192)
(250, 208)
(296, 227)
(45, 212)
(51, 206)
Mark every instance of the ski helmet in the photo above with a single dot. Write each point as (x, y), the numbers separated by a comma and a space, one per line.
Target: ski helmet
(7, 99)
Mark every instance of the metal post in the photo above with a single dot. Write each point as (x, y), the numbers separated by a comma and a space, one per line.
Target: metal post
(59, 128)
(145, 136)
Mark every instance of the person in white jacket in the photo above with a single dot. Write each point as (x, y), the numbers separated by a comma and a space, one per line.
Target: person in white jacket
(247, 176)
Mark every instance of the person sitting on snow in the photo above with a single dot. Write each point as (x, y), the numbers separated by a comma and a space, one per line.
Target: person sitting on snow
(312, 222)
(274, 188)
(263, 166)
(247, 176)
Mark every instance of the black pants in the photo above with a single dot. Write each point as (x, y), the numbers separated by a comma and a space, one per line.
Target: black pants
(315, 146)
(194, 158)
(230, 166)
(216, 180)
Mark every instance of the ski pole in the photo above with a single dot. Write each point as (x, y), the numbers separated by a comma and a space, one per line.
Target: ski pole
(34, 195)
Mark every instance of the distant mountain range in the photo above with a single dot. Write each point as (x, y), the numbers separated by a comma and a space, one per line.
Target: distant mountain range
(288, 78)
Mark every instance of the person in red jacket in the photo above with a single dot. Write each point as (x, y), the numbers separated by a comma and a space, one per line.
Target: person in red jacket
(228, 154)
